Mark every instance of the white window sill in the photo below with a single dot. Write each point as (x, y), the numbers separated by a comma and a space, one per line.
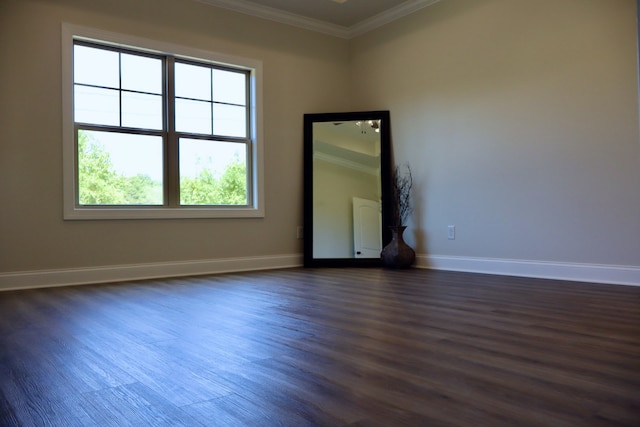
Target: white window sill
(160, 213)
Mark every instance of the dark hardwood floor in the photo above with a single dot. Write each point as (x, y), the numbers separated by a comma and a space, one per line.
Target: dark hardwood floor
(322, 347)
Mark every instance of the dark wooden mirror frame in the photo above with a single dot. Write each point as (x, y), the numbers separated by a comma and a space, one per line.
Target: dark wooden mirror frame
(385, 176)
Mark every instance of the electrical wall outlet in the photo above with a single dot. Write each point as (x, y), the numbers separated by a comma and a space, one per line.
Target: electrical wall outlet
(451, 232)
(300, 232)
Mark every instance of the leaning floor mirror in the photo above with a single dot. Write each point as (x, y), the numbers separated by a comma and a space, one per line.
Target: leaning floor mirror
(346, 177)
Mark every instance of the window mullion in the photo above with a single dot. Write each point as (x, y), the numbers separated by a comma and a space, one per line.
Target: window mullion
(120, 86)
(172, 190)
(212, 100)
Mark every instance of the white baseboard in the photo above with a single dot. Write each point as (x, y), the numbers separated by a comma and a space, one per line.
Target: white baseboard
(612, 274)
(118, 273)
(596, 273)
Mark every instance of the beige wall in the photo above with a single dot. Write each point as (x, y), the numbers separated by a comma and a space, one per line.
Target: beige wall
(520, 121)
(519, 118)
(302, 72)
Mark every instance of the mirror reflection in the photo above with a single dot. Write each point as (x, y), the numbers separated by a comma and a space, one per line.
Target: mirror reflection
(344, 196)
(346, 189)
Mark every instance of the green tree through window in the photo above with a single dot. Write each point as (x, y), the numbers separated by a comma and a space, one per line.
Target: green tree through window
(207, 189)
(100, 183)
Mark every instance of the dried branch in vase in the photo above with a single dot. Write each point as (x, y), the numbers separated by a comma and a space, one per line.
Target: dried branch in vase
(401, 185)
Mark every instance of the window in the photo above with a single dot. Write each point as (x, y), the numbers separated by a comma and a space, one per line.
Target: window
(157, 131)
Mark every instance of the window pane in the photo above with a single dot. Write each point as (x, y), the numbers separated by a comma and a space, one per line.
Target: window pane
(96, 105)
(193, 81)
(141, 111)
(141, 73)
(212, 173)
(119, 169)
(193, 116)
(229, 120)
(98, 67)
(229, 87)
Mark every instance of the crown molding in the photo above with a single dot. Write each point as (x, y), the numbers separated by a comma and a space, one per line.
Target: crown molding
(350, 164)
(280, 16)
(288, 18)
(388, 16)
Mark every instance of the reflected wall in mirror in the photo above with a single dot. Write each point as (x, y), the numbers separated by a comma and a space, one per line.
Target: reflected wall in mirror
(346, 175)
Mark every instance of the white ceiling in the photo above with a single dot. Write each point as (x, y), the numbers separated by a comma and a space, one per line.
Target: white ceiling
(341, 18)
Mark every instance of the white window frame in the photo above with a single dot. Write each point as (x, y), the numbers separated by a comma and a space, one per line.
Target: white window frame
(74, 211)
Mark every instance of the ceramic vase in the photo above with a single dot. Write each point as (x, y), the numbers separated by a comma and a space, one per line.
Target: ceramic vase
(397, 254)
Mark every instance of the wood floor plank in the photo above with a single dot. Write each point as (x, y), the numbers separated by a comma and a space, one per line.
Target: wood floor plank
(316, 347)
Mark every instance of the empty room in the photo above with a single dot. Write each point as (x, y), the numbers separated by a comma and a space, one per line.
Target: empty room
(201, 201)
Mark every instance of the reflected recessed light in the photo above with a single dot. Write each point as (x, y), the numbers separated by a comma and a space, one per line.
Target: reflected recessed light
(339, 1)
